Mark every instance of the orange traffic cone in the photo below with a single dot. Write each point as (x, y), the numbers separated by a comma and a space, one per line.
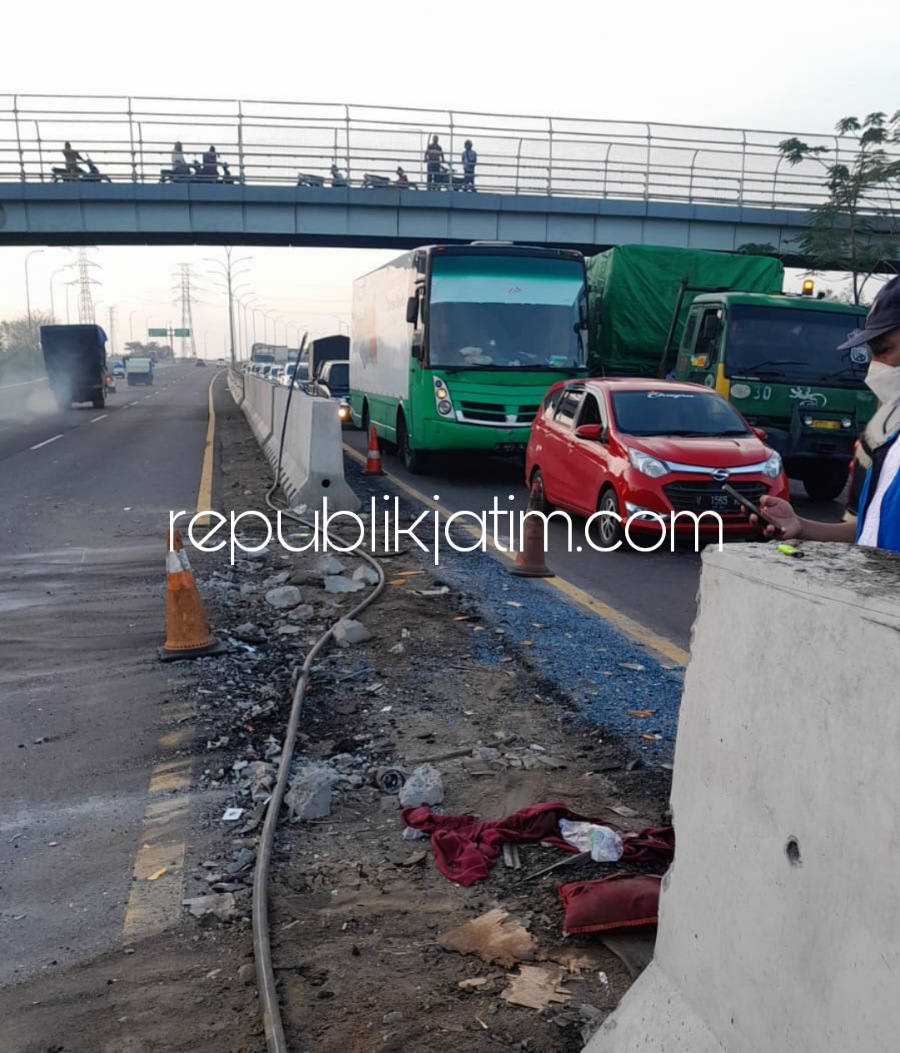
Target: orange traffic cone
(530, 561)
(373, 460)
(187, 630)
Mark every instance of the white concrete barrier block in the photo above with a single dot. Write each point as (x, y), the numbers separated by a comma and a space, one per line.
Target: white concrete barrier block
(780, 920)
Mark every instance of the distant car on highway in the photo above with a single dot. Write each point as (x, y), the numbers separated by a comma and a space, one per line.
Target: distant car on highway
(298, 372)
(118, 369)
(200, 363)
(333, 382)
(220, 361)
(111, 387)
(631, 447)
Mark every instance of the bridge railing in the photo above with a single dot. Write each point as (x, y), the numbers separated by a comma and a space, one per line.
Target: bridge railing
(274, 143)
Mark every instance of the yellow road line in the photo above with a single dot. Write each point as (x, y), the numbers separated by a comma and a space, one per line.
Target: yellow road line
(639, 633)
(204, 495)
(157, 884)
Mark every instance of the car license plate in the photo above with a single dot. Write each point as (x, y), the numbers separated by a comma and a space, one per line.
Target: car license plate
(828, 424)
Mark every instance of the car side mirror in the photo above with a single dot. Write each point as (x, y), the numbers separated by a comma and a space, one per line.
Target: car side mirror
(412, 310)
(593, 432)
(760, 433)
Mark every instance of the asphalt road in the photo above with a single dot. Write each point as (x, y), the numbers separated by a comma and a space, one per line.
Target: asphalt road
(656, 589)
(84, 502)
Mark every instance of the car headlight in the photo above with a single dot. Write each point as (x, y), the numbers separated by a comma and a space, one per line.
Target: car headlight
(444, 407)
(807, 421)
(772, 467)
(648, 465)
(846, 422)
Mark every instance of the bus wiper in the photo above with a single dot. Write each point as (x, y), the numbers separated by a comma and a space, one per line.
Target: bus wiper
(770, 362)
(848, 370)
(729, 431)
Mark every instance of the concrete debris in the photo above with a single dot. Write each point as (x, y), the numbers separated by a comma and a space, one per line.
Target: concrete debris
(398, 648)
(367, 574)
(284, 597)
(222, 905)
(249, 633)
(329, 565)
(424, 786)
(337, 584)
(348, 631)
(302, 613)
(310, 794)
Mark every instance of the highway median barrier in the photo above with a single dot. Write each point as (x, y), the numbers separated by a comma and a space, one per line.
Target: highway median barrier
(779, 922)
(312, 456)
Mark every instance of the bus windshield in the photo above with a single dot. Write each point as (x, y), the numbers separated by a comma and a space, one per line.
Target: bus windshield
(506, 312)
(794, 345)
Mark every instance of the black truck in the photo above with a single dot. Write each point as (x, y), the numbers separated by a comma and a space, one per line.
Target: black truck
(75, 360)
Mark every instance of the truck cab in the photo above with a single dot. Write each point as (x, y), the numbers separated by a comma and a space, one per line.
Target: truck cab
(775, 358)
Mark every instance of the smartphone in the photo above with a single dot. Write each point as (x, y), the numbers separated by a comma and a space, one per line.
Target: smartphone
(749, 506)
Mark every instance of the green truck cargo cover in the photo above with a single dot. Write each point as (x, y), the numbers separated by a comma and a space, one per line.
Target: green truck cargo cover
(633, 290)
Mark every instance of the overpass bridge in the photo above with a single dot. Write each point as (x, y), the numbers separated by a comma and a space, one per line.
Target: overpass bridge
(325, 174)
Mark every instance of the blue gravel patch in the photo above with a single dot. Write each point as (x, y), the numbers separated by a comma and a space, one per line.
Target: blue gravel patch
(604, 673)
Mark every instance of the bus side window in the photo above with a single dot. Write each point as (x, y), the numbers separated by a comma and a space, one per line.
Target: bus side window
(708, 336)
(690, 330)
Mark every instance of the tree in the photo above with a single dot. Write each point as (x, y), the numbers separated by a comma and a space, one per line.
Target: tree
(20, 345)
(857, 228)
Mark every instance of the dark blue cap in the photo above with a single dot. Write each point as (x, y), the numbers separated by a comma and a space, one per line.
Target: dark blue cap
(883, 316)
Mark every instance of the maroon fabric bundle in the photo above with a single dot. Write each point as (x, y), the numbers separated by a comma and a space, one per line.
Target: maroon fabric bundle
(621, 901)
(465, 848)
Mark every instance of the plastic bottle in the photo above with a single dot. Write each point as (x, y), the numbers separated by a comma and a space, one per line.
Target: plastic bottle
(604, 844)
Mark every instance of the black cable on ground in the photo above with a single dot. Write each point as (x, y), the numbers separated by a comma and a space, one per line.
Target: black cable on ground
(262, 949)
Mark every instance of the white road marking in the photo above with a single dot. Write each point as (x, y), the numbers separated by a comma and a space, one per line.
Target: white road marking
(101, 417)
(133, 403)
(146, 396)
(46, 441)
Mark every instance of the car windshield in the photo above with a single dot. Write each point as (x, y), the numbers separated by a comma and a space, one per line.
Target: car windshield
(506, 312)
(683, 413)
(794, 344)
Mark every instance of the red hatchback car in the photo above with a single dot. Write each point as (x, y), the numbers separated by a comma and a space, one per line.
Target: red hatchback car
(631, 447)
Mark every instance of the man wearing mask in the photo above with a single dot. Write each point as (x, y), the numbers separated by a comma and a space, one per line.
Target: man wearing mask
(877, 522)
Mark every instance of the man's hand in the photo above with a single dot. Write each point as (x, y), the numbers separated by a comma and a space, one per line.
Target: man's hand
(784, 522)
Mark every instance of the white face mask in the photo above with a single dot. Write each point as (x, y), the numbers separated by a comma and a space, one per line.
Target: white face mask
(884, 381)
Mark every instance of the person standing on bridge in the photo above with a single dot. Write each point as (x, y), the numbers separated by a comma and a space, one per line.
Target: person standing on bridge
(469, 159)
(877, 523)
(434, 159)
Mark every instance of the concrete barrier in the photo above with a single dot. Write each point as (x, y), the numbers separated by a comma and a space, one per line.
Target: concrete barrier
(780, 919)
(312, 459)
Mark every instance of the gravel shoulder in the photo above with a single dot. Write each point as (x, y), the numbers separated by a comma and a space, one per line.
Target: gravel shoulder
(512, 695)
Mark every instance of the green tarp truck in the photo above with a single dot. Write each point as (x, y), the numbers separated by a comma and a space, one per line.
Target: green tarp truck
(720, 319)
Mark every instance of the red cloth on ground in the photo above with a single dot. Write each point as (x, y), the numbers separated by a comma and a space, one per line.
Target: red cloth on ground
(465, 848)
(620, 901)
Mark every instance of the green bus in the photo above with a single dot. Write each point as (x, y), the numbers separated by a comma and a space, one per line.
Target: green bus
(454, 346)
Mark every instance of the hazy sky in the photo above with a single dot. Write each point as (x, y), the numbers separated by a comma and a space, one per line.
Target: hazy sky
(771, 66)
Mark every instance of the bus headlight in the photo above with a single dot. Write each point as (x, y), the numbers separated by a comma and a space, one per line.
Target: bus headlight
(442, 399)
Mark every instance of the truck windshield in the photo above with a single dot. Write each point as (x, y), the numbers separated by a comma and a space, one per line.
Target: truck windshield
(687, 413)
(793, 345)
(506, 312)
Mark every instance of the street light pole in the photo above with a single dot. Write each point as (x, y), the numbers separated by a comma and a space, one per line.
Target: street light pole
(52, 276)
(33, 252)
(131, 315)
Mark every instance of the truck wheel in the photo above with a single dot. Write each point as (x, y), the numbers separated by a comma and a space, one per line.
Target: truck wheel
(98, 402)
(416, 461)
(827, 483)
